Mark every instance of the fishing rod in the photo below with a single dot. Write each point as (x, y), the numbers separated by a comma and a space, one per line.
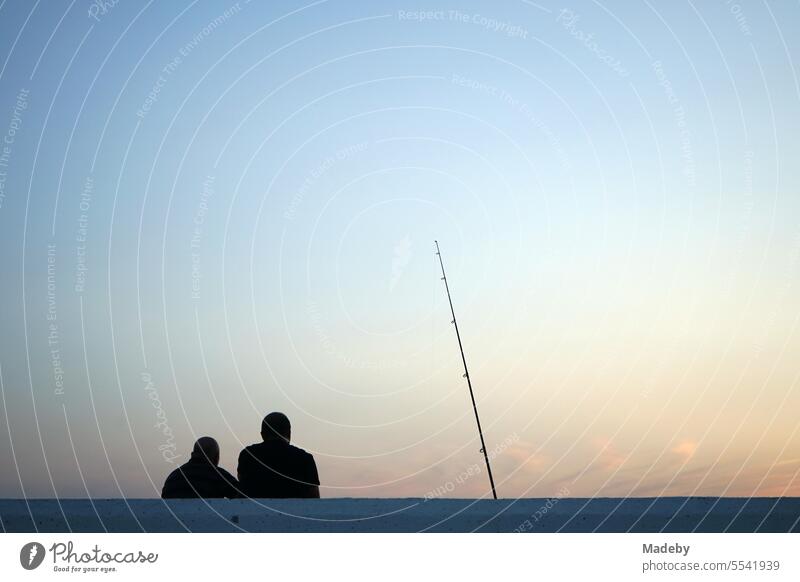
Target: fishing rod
(466, 371)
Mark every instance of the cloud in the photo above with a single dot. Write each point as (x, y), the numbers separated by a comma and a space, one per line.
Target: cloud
(608, 457)
(685, 449)
(523, 453)
(787, 462)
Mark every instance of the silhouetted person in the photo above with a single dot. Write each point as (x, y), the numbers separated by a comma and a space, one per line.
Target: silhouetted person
(200, 477)
(275, 468)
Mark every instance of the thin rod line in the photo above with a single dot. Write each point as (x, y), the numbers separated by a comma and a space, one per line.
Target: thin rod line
(466, 372)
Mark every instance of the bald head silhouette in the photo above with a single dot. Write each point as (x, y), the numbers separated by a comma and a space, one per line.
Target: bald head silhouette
(276, 426)
(206, 448)
(275, 468)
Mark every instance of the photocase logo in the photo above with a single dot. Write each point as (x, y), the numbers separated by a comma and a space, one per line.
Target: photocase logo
(402, 256)
(31, 555)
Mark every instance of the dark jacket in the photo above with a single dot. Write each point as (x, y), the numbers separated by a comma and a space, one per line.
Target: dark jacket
(275, 468)
(200, 479)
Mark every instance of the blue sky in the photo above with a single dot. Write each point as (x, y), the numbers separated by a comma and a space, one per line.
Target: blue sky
(228, 209)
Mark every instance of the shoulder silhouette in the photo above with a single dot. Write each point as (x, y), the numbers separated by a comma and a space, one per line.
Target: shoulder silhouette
(274, 467)
(201, 477)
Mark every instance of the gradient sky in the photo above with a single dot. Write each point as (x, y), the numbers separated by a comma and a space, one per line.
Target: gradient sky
(210, 211)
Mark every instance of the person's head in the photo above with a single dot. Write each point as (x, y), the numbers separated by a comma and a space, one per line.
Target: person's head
(275, 426)
(206, 449)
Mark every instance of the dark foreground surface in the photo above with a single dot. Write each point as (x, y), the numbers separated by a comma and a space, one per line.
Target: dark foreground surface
(668, 514)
